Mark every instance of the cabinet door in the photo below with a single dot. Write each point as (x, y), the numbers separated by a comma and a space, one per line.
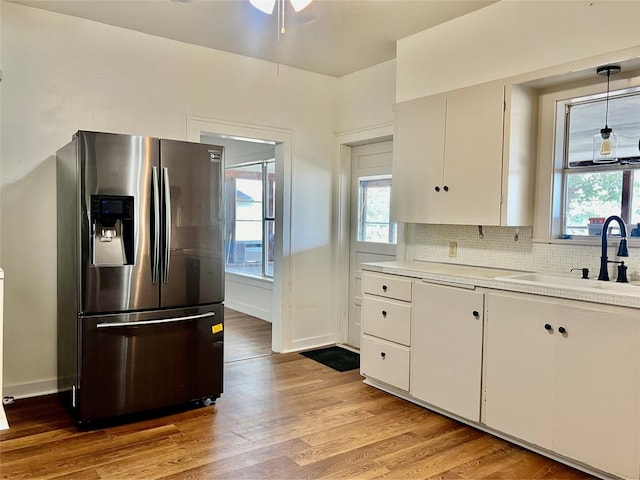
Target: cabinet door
(473, 155)
(519, 367)
(597, 417)
(447, 348)
(416, 196)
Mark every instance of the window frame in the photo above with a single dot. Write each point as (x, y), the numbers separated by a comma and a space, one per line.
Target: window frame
(392, 237)
(266, 217)
(549, 204)
(626, 170)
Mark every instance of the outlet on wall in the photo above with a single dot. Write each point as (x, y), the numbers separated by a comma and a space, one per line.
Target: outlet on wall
(453, 249)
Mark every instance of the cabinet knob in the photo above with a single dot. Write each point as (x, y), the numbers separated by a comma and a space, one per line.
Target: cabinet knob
(437, 189)
(383, 355)
(384, 313)
(445, 188)
(384, 288)
(475, 314)
(562, 330)
(547, 326)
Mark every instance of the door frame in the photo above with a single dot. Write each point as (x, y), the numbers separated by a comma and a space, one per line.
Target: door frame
(281, 313)
(342, 213)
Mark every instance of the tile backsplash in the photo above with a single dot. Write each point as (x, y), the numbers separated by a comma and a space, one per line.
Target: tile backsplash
(499, 248)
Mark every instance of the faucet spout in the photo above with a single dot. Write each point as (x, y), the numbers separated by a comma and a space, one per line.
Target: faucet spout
(622, 250)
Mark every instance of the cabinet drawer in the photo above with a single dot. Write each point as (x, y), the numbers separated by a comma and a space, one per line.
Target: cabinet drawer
(387, 286)
(385, 361)
(388, 319)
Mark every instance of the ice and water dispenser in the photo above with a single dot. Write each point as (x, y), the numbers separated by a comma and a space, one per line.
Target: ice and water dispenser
(112, 230)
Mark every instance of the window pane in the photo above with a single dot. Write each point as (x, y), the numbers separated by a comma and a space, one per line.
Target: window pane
(586, 120)
(592, 195)
(271, 189)
(270, 228)
(634, 211)
(243, 242)
(248, 221)
(373, 212)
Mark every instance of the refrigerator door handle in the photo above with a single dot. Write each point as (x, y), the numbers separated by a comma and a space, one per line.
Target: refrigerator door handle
(154, 322)
(167, 224)
(155, 250)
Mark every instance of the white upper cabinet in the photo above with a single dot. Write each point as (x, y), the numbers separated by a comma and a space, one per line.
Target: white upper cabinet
(418, 157)
(465, 157)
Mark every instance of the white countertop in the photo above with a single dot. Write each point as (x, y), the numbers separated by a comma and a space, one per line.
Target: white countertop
(471, 276)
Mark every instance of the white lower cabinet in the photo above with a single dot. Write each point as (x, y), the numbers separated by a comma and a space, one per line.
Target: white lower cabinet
(565, 375)
(386, 329)
(446, 361)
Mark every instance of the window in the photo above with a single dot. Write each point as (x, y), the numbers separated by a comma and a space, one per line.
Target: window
(374, 202)
(592, 192)
(250, 218)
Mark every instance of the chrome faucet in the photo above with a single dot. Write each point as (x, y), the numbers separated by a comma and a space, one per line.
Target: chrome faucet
(622, 249)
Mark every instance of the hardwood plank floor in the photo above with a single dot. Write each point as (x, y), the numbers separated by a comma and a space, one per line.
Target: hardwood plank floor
(280, 417)
(245, 336)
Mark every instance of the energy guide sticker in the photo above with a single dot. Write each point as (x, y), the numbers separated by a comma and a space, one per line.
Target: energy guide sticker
(216, 328)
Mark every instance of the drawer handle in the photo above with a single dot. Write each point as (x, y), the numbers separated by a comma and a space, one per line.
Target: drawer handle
(383, 355)
(384, 313)
(384, 288)
(547, 326)
(475, 314)
(562, 330)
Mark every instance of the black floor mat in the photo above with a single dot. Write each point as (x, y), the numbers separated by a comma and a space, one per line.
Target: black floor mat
(337, 358)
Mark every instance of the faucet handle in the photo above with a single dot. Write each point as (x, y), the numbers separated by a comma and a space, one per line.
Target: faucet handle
(585, 272)
(622, 273)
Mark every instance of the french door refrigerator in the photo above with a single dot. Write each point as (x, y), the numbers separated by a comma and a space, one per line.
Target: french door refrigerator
(140, 274)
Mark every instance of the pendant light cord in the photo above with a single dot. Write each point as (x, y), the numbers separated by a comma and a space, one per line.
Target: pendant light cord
(606, 115)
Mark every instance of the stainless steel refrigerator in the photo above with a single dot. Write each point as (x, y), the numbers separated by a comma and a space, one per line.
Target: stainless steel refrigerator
(140, 274)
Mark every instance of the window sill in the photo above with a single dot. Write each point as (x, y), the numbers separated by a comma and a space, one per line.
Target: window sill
(263, 282)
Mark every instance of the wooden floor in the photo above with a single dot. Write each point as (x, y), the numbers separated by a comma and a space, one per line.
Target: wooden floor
(245, 336)
(280, 417)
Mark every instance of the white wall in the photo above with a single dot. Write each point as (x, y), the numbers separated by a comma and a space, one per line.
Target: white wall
(62, 74)
(509, 38)
(366, 97)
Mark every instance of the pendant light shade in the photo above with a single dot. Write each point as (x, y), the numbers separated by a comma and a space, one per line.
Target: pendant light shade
(605, 143)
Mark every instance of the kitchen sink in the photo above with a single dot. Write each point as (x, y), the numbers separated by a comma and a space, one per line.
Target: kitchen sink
(573, 283)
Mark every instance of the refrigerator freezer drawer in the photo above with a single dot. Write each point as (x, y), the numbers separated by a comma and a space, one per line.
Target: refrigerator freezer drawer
(133, 363)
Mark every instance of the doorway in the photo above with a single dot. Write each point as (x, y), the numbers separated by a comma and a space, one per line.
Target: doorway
(266, 298)
(372, 237)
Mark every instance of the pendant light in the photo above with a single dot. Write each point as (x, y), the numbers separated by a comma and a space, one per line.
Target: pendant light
(605, 143)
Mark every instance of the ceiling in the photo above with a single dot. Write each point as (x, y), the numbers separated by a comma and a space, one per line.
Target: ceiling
(331, 37)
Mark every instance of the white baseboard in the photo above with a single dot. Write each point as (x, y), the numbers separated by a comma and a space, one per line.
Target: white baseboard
(310, 343)
(31, 389)
(249, 310)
